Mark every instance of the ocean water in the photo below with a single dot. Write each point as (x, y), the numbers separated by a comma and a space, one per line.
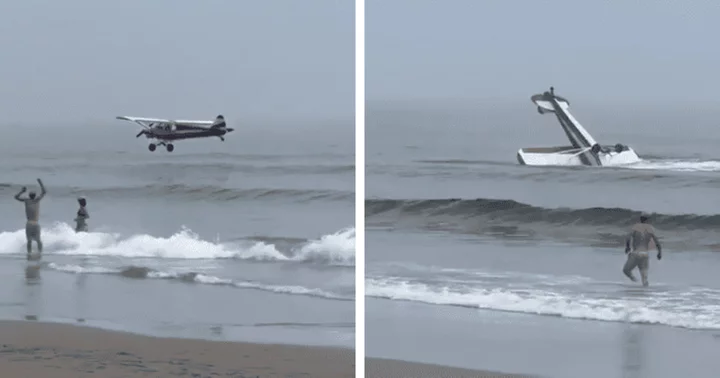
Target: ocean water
(250, 239)
(475, 261)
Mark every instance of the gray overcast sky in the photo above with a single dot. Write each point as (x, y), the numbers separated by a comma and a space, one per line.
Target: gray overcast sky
(84, 60)
(617, 50)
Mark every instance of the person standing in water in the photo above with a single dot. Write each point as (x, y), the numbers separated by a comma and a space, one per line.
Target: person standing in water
(32, 213)
(82, 216)
(637, 247)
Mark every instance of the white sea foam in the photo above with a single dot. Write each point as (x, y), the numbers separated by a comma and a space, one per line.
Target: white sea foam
(60, 239)
(337, 248)
(696, 309)
(676, 165)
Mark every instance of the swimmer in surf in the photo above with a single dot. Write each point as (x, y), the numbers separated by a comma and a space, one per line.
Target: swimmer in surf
(32, 213)
(82, 216)
(637, 247)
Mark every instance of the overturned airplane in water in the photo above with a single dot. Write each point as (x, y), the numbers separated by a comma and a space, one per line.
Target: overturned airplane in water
(584, 150)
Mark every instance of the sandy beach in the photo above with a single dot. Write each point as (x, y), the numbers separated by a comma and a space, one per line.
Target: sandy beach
(385, 368)
(39, 350)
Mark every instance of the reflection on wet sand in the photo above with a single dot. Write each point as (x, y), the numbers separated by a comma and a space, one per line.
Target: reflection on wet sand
(633, 356)
(34, 290)
(32, 274)
(33, 294)
(80, 280)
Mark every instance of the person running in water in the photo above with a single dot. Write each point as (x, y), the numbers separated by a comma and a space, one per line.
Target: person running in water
(637, 247)
(82, 216)
(32, 213)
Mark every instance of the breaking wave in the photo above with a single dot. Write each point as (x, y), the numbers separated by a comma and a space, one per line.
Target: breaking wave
(337, 249)
(511, 212)
(695, 308)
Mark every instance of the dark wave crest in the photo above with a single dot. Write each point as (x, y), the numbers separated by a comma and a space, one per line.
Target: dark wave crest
(515, 213)
(183, 164)
(205, 192)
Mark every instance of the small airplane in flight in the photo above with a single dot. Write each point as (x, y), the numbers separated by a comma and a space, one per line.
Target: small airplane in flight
(167, 131)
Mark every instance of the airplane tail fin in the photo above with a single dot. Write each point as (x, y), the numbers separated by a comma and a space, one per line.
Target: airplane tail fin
(220, 124)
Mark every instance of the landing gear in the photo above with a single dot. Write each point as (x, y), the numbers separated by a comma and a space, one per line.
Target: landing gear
(168, 146)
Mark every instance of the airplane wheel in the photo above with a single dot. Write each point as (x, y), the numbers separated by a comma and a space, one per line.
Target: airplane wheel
(151, 147)
(170, 147)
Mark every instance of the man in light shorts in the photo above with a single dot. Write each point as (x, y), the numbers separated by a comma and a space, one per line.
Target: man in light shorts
(32, 213)
(637, 247)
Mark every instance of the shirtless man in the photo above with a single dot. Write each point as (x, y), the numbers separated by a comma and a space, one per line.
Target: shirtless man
(638, 256)
(32, 212)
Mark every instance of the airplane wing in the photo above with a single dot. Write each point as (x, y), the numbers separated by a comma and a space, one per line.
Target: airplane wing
(143, 122)
(140, 120)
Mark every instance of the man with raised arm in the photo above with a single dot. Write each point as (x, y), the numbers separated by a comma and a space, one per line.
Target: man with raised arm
(32, 213)
(637, 247)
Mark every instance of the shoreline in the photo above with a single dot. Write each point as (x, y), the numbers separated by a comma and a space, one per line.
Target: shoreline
(390, 368)
(59, 350)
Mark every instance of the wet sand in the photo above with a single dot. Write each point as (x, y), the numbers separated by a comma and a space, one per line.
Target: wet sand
(384, 368)
(39, 350)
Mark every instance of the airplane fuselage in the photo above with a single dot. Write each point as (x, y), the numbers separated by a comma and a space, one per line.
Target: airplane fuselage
(182, 133)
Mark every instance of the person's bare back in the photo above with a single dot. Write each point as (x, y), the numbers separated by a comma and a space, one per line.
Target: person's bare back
(637, 246)
(641, 234)
(32, 214)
